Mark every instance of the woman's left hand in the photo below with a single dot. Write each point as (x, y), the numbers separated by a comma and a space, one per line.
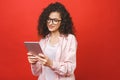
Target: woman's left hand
(44, 60)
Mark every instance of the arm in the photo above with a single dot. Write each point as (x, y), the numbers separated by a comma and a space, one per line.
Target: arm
(68, 65)
(36, 68)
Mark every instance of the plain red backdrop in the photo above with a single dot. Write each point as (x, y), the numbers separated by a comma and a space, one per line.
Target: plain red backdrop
(97, 25)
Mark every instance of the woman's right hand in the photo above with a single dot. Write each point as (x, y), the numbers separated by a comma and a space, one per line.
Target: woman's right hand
(31, 58)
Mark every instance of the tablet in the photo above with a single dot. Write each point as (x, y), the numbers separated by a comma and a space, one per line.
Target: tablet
(33, 47)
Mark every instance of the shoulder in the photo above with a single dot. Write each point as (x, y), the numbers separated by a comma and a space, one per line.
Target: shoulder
(72, 39)
(70, 36)
(43, 40)
(69, 39)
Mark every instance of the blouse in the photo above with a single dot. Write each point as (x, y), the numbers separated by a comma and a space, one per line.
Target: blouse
(64, 62)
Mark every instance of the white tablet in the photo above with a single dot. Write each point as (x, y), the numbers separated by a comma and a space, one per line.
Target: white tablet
(33, 47)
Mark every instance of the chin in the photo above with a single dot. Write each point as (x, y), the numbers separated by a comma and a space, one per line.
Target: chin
(51, 30)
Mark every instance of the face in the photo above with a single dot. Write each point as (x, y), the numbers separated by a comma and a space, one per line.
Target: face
(54, 21)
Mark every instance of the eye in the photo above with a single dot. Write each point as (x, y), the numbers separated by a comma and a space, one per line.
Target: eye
(48, 20)
(55, 20)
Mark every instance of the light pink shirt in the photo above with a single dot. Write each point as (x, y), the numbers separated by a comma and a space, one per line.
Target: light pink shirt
(65, 59)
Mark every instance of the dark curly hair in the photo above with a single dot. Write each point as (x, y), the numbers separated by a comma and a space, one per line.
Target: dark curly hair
(66, 26)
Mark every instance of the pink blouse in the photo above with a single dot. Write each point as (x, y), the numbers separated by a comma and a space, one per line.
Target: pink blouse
(65, 59)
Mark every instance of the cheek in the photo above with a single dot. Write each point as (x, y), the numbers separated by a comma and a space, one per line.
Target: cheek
(47, 25)
(58, 26)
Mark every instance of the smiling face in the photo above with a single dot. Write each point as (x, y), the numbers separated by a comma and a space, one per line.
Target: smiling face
(54, 21)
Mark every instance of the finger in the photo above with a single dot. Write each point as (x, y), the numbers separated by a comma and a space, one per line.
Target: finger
(32, 60)
(43, 63)
(42, 59)
(41, 55)
(32, 57)
(29, 54)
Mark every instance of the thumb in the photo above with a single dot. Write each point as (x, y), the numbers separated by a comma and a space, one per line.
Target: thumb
(41, 55)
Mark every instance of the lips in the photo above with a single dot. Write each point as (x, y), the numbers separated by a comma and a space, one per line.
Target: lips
(50, 27)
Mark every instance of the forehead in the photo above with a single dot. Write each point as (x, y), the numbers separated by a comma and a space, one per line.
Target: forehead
(55, 15)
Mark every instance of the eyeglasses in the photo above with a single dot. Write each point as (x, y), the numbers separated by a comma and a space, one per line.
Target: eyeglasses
(54, 21)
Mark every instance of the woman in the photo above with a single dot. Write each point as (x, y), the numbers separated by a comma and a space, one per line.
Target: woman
(59, 45)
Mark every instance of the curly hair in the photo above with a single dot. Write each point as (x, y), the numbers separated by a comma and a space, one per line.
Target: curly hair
(66, 26)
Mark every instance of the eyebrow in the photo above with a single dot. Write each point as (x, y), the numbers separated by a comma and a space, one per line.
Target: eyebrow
(54, 18)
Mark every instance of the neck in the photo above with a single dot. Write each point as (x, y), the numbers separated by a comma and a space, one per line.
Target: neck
(55, 34)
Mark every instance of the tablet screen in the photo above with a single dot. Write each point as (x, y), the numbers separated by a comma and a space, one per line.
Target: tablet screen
(33, 47)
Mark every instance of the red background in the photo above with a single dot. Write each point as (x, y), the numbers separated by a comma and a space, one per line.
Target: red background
(97, 25)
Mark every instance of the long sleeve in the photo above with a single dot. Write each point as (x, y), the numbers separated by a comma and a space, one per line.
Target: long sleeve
(36, 69)
(67, 65)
